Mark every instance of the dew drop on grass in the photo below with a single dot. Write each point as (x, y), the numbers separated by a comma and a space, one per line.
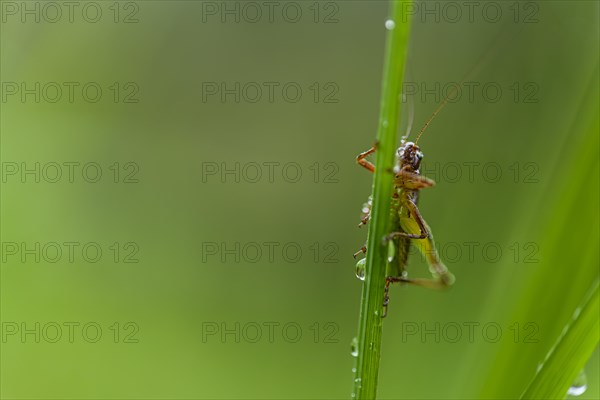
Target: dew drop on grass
(577, 390)
(391, 251)
(579, 386)
(360, 269)
(358, 382)
(354, 347)
(390, 24)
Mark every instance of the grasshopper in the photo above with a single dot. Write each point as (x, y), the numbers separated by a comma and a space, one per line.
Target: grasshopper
(406, 220)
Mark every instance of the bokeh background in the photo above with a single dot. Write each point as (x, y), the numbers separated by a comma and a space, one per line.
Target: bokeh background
(186, 306)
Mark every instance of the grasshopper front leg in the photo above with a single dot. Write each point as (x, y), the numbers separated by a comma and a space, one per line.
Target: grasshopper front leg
(362, 161)
(366, 212)
(363, 250)
(409, 180)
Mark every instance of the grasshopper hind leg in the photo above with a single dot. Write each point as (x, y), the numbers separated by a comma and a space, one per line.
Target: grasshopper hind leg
(423, 240)
(442, 278)
(416, 229)
(442, 281)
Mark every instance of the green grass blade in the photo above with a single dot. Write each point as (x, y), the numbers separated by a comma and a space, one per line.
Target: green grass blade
(558, 286)
(370, 323)
(566, 359)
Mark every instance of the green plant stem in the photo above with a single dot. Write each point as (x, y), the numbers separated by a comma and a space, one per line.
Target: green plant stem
(370, 322)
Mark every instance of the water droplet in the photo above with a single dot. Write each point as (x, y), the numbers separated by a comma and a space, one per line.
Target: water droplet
(576, 390)
(390, 24)
(577, 312)
(360, 269)
(353, 370)
(391, 251)
(354, 347)
(579, 386)
(385, 123)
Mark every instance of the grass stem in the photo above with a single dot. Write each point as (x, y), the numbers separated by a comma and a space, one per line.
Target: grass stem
(370, 322)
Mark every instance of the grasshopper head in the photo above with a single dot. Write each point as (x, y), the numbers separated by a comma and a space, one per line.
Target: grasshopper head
(409, 154)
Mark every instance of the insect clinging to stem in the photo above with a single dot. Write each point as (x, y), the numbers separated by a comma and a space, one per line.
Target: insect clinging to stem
(407, 223)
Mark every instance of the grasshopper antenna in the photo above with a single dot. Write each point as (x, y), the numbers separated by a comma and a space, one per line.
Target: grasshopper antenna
(406, 99)
(411, 106)
(478, 65)
(411, 117)
(435, 113)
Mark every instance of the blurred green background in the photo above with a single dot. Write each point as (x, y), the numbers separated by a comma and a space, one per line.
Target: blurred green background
(195, 320)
